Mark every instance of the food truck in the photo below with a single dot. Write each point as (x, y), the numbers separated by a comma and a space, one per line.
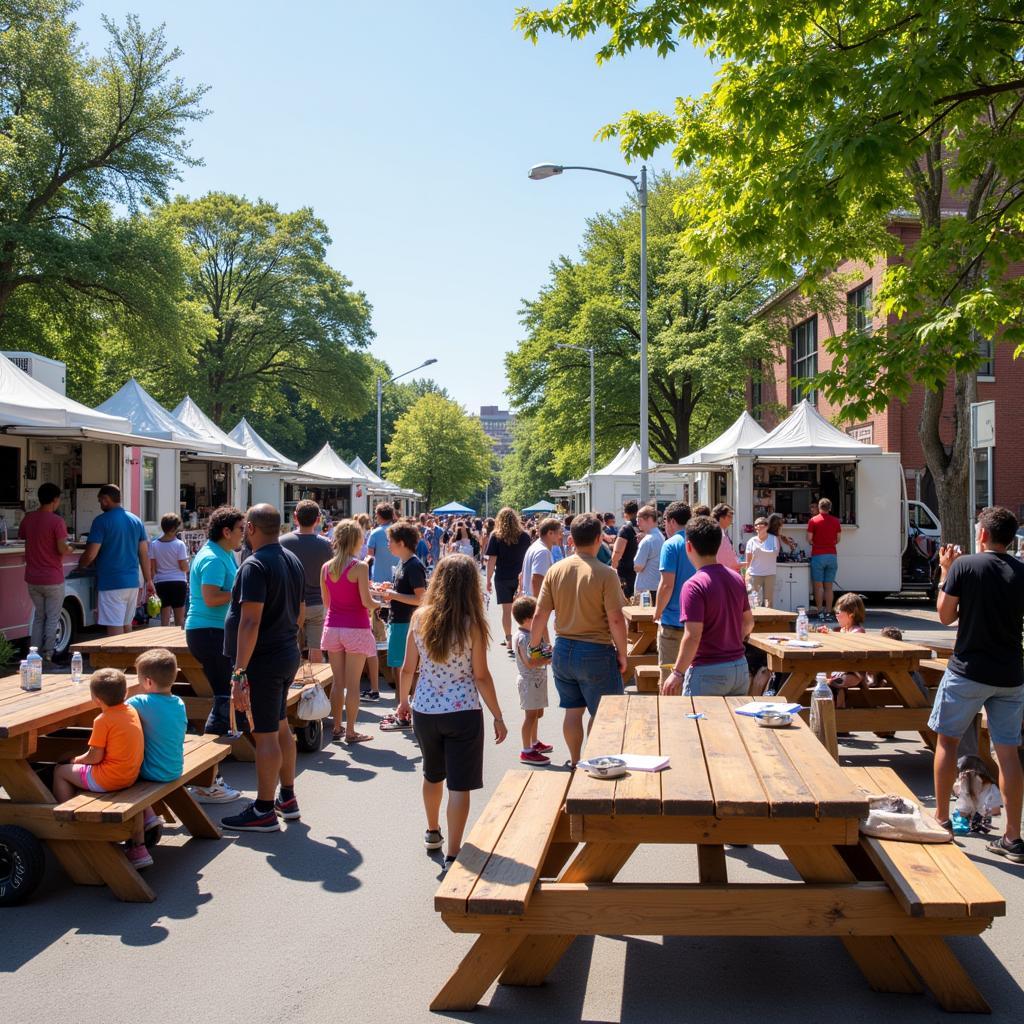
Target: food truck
(785, 471)
(46, 437)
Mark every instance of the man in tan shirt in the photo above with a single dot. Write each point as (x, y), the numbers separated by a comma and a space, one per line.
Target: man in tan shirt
(589, 658)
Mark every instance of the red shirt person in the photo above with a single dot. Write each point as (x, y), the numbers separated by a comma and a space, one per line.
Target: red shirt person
(45, 537)
(823, 534)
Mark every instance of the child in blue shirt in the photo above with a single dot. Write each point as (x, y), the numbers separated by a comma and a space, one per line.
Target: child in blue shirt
(163, 725)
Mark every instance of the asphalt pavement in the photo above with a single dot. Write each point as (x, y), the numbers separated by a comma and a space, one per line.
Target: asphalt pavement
(332, 918)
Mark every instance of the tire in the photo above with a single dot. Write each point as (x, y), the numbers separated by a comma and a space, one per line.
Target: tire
(309, 736)
(875, 597)
(67, 628)
(22, 862)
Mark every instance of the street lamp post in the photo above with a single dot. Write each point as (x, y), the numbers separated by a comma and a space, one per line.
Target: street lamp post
(380, 392)
(541, 171)
(590, 352)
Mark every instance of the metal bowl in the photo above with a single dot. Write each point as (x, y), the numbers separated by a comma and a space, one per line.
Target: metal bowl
(605, 767)
(774, 719)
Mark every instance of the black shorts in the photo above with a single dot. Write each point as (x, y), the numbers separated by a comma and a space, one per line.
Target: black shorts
(505, 590)
(452, 745)
(756, 658)
(171, 593)
(628, 581)
(268, 696)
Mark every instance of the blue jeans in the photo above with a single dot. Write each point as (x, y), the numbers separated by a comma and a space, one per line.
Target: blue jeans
(584, 673)
(729, 679)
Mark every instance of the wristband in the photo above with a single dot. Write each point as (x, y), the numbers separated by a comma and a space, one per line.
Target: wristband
(239, 674)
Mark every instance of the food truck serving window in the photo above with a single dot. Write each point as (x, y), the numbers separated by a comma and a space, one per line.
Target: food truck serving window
(791, 488)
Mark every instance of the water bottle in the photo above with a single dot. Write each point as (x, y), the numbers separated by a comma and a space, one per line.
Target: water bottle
(26, 679)
(76, 667)
(803, 626)
(754, 598)
(3, 531)
(645, 599)
(821, 689)
(35, 669)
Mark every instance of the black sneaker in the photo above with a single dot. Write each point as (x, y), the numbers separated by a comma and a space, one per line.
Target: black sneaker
(432, 839)
(1011, 851)
(287, 809)
(371, 695)
(251, 820)
(448, 862)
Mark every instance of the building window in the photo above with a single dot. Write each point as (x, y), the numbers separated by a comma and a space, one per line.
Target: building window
(149, 505)
(987, 351)
(858, 310)
(804, 348)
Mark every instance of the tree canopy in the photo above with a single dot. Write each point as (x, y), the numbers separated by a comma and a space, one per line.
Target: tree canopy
(82, 138)
(699, 347)
(440, 451)
(526, 473)
(823, 121)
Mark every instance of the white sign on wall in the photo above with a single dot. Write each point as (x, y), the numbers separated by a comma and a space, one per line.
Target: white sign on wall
(983, 424)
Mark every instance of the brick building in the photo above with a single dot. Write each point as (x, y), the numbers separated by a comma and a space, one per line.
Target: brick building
(497, 424)
(895, 429)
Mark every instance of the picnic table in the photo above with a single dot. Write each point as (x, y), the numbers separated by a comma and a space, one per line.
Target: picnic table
(46, 726)
(195, 689)
(728, 781)
(896, 705)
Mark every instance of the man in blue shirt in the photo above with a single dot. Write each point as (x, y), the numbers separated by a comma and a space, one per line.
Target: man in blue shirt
(384, 563)
(120, 548)
(675, 569)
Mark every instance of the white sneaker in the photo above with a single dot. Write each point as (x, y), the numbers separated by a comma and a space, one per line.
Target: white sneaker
(219, 793)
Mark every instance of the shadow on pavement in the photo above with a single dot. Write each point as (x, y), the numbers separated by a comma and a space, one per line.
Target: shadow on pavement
(294, 855)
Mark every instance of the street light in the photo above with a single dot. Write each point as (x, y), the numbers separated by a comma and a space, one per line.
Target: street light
(380, 389)
(541, 171)
(590, 352)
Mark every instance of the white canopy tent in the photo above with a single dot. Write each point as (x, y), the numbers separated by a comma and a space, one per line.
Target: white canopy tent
(805, 433)
(149, 419)
(259, 451)
(192, 416)
(742, 433)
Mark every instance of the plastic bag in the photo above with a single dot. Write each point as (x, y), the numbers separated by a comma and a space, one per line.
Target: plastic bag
(313, 704)
(894, 817)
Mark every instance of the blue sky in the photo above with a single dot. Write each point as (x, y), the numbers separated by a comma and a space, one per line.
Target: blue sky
(409, 128)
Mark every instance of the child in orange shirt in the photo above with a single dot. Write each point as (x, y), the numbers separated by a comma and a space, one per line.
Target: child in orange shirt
(116, 746)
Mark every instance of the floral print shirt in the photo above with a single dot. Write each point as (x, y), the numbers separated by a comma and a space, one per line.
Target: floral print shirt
(441, 689)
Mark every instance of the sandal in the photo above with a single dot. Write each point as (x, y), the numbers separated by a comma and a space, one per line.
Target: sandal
(337, 737)
(358, 737)
(392, 723)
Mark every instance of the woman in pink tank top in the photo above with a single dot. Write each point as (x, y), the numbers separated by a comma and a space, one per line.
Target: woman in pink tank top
(347, 636)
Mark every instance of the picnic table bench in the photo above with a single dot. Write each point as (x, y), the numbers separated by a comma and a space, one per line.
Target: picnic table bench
(539, 866)
(194, 688)
(84, 833)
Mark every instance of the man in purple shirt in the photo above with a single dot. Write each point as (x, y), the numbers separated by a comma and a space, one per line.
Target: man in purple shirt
(711, 661)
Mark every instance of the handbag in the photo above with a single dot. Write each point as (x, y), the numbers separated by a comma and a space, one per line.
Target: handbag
(314, 704)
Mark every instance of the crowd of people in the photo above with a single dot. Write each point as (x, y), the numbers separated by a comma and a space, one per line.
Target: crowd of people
(420, 589)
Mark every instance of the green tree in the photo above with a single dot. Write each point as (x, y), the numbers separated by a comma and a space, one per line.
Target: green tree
(699, 349)
(440, 451)
(280, 317)
(79, 137)
(823, 121)
(526, 473)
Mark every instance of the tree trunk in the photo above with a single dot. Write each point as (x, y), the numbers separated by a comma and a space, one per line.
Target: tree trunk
(951, 472)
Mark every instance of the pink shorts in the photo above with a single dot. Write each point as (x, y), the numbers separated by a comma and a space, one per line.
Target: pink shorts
(84, 778)
(349, 641)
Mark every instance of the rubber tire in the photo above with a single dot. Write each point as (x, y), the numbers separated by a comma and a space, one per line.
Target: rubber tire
(22, 863)
(309, 736)
(67, 628)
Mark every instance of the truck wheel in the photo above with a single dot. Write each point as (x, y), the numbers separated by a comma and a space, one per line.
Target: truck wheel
(67, 628)
(309, 736)
(22, 862)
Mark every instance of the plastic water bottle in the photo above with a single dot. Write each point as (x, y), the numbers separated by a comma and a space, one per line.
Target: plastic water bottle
(76, 667)
(803, 626)
(645, 599)
(753, 597)
(35, 669)
(26, 678)
(821, 689)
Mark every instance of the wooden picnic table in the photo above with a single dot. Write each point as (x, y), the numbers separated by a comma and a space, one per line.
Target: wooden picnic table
(197, 693)
(87, 847)
(728, 781)
(643, 630)
(896, 705)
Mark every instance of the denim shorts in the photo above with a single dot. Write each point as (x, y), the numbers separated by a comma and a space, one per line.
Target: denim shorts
(584, 673)
(823, 568)
(728, 679)
(958, 700)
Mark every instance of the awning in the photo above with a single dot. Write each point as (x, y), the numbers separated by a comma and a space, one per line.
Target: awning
(91, 434)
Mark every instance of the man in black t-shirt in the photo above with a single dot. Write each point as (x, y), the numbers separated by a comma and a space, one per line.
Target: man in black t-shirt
(625, 548)
(985, 592)
(262, 639)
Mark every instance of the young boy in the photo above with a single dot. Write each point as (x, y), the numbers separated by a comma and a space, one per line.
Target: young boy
(532, 682)
(405, 595)
(162, 715)
(116, 745)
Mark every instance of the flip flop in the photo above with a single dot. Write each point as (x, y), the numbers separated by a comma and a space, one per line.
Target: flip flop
(359, 737)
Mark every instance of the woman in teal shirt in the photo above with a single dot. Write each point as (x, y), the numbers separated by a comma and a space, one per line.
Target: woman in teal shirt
(210, 578)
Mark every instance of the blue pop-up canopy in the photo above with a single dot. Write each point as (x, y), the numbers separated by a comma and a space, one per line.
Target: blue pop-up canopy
(540, 506)
(454, 508)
